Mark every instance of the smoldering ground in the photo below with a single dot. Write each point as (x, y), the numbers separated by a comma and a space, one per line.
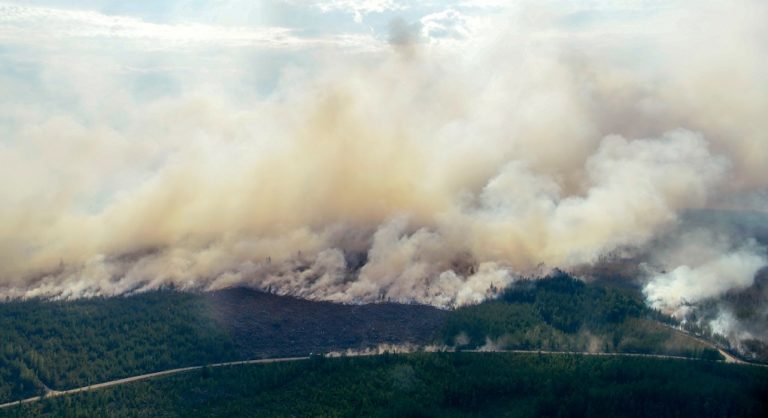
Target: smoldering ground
(423, 169)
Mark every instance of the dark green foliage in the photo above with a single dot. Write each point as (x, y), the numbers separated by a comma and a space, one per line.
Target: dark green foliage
(568, 304)
(15, 377)
(561, 313)
(710, 354)
(70, 344)
(62, 345)
(436, 385)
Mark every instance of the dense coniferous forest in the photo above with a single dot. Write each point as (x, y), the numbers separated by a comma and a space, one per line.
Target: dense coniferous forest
(60, 344)
(435, 385)
(66, 344)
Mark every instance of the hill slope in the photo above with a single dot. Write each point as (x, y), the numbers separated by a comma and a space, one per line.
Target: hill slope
(266, 325)
(564, 314)
(66, 344)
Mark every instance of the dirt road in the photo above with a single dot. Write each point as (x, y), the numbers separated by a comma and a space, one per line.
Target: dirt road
(57, 393)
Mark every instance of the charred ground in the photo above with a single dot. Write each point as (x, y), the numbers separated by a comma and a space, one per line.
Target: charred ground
(265, 325)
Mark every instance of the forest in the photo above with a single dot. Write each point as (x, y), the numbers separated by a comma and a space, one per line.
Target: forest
(435, 385)
(66, 344)
(561, 313)
(60, 344)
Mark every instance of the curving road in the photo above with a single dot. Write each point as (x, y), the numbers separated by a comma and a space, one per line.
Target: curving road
(56, 393)
(729, 358)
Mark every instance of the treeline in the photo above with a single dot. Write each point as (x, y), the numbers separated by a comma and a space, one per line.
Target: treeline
(561, 313)
(435, 385)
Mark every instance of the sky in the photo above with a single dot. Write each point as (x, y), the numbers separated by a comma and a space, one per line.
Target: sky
(357, 150)
(158, 47)
(153, 44)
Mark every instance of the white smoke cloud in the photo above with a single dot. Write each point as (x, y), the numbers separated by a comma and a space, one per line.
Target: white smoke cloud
(688, 284)
(434, 176)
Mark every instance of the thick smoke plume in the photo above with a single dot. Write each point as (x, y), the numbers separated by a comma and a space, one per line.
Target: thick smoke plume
(433, 175)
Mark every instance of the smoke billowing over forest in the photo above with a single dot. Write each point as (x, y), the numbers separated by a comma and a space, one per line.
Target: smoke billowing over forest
(433, 163)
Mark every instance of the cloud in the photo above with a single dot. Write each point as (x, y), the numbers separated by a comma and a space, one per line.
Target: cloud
(448, 23)
(19, 22)
(358, 8)
(34, 25)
